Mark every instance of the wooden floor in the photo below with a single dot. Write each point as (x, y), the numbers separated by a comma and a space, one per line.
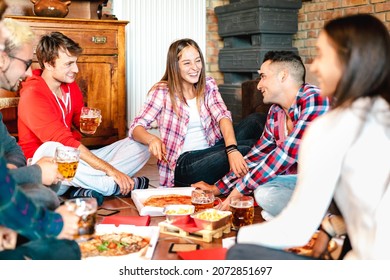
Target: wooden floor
(127, 208)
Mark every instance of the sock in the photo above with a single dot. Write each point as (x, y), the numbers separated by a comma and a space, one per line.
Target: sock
(139, 183)
(81, 192)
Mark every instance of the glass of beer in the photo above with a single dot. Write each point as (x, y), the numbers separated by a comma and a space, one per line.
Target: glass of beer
(204, 199)
(85, 208)
(67, 159)
(89, 120)
(242, 208)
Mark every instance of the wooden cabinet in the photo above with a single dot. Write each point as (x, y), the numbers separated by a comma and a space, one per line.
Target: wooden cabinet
(101, 75)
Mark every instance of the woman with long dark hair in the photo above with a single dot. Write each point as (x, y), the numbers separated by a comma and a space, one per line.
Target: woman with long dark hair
(344, 154)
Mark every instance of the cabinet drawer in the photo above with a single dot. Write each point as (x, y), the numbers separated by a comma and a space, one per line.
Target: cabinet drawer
(88, 39)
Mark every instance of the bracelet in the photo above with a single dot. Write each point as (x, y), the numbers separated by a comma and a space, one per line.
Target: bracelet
(327, 225)
(231, 151)
(324, 231)
(231, 148)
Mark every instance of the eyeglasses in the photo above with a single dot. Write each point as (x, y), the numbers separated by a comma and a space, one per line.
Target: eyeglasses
(26, 62)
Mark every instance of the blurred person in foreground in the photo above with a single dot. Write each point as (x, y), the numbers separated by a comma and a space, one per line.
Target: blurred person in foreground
(339, 152)
(45, 234)
(40, 180)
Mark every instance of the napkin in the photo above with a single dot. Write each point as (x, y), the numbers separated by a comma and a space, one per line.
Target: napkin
(127, 220)
(206, 254)
(187, 225)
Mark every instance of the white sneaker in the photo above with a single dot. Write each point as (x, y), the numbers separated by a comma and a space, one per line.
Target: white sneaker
(266, 216)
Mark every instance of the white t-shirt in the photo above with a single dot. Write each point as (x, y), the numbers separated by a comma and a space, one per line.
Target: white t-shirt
(345, 155)
(195, 138)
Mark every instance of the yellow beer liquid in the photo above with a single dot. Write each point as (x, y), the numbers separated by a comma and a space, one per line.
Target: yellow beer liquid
(67, 169)
(88, 125)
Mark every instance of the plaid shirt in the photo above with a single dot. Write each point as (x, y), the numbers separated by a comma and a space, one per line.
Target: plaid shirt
(19, 213)
(276, 154)
(173, 127)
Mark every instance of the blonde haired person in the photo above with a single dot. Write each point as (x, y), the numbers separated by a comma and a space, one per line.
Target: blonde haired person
(16, 50)
(46, 234)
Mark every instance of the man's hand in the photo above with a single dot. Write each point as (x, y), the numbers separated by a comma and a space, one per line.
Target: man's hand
(204, 186)
(225, 204)
(50, 174)
(125, 183)
(8, 238)
(71, 223)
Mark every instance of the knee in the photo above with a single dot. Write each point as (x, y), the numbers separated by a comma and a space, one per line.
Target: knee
(268, 198)
(263, 196)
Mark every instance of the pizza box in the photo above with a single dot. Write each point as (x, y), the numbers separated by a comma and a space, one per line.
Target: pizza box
(146, 253)
(139, 196)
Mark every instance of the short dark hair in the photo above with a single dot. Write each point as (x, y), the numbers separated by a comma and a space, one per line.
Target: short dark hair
(48, 46)
(291, 59)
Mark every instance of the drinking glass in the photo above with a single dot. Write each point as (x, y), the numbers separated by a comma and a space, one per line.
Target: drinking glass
(67, 159)
(204, 199)
(242, 208)
(89, 120)
(85, 208)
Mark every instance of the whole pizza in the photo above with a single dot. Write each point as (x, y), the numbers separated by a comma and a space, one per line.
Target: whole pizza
(168, 199)
(113, 244)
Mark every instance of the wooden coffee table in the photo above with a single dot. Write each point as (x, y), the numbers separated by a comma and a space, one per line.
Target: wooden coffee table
(127, 208)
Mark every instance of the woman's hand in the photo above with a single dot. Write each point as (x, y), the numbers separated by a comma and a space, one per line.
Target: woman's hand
(237, 164)
(157, 148)
(320, 246)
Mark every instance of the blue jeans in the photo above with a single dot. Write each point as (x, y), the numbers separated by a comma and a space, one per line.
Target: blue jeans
(274, 195)
(211, 164)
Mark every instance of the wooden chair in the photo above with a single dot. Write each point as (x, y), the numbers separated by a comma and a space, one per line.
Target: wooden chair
(9, 108)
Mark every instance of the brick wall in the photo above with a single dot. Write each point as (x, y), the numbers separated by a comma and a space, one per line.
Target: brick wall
(311, 18)
(315, 13)
(213, 42)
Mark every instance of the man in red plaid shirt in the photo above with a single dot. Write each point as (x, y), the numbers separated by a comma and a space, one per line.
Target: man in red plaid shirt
(273, 160)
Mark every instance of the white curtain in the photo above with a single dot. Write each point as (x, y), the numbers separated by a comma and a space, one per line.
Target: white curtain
(153, 26)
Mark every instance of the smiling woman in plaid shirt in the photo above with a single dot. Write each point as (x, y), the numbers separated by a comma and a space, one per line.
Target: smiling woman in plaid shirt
(197, 139)
(273, 160)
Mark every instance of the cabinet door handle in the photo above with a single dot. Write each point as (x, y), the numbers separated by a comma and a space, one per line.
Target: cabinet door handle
(99, 39)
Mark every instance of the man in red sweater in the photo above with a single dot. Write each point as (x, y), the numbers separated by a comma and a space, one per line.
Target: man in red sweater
(49, 116)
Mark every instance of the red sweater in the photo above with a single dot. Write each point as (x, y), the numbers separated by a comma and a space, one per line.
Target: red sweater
(41, 119)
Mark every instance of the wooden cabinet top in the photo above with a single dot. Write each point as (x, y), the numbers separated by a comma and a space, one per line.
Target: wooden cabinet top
(71, 21)
(94, 36)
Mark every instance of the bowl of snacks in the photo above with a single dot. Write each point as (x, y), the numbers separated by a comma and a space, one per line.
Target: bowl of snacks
(178, 213)
(211, 219)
